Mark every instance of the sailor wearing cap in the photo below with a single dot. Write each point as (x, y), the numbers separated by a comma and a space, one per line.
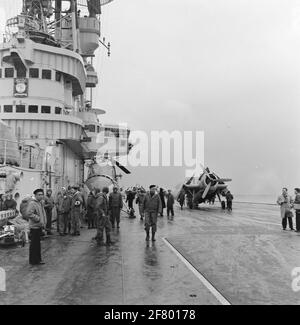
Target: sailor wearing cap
(37, 220)
(151, 206)
(76, 210)
(103, 222)
(63, 211)
(115, 205)
(140, 201)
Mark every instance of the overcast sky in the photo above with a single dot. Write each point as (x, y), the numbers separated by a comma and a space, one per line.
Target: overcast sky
(230, 68)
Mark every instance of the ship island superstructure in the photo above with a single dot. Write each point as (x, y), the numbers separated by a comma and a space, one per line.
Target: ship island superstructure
(46, 82)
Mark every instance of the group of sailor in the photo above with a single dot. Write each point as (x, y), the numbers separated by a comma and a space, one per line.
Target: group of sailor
(101, 211)
(7, 202)
(287, 205)
(139, 194)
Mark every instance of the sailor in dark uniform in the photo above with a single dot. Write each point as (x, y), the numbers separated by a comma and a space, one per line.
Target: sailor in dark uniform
(115, 206)
(103, 221)
(152, 207)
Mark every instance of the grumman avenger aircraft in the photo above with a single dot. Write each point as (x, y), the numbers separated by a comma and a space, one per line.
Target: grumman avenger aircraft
(206, 188)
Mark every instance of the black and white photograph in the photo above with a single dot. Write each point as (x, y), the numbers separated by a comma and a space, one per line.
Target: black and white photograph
(149, 155)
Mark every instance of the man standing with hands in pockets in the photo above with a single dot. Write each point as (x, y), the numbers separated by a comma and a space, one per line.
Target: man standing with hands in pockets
(285, 201)
(37, 220)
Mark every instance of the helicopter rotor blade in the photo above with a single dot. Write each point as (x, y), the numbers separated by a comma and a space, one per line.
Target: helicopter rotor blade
(123, 168)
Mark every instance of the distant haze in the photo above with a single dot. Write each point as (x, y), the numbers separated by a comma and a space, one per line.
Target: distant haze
(230, 68)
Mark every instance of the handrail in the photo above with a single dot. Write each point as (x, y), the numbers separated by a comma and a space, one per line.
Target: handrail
(8, 214)
(19, 154)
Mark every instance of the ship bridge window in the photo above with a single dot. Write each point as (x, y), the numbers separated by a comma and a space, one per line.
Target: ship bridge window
(20, 108)
(68, 84)
(33, 73)
(91, 128)
(21, 73)
(58, 110)
(8, 108)
(33, 109)
(112, 132)
(46, 109)
(9, 72)
(46, 74)
(58, 76)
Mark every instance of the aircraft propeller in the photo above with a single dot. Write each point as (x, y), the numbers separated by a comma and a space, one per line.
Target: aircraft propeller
(219, 180)
(190, 180)
(207, 188)
(216, 180)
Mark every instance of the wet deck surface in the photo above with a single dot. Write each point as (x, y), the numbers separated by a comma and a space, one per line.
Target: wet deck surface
(244, 254)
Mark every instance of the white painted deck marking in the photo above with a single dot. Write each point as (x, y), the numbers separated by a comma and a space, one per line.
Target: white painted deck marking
(206, 283)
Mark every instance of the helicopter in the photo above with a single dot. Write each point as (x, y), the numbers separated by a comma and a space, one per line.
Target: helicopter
(102, 172)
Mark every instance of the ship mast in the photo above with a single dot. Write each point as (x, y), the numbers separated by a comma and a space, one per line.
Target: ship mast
(59, 23)
(94, 9)
(47, 75)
